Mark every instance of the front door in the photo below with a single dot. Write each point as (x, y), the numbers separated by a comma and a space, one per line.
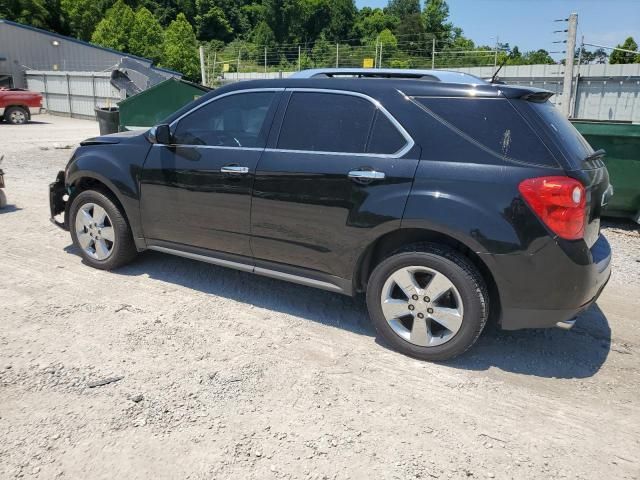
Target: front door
(337, 176)
(197, 191)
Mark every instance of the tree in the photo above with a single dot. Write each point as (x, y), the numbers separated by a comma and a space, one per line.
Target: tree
(211, 21)
(618, 56)
(370, 22)
(180, 48)
(114, 29)
(29, 12)
(263, 35)
(81, 15)
(146, 36)
(538, 57)
(435, 16)
(403, 8)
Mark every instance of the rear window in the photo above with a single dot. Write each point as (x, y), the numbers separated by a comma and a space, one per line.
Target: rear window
(562, 130)
(492, 123)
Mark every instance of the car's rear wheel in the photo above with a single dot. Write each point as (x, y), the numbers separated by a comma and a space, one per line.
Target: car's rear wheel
(16, 115)
(428, 301)
(100, 231)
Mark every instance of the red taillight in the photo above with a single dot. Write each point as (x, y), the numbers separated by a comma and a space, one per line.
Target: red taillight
(559, 202)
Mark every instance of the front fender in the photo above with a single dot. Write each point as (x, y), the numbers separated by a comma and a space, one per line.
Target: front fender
(118, 167)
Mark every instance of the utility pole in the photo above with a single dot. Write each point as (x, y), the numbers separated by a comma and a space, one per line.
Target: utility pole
(203, 72)
(265, 59)
(375, 56)
(380, 61)
(433, 53)
(337, 53)
(568, 67)
(299, 58)
(575, 86)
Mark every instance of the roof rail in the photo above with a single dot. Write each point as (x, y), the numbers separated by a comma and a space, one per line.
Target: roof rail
(445, 76)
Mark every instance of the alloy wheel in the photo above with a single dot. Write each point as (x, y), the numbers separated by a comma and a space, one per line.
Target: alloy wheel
(94, 231)
(422, 306)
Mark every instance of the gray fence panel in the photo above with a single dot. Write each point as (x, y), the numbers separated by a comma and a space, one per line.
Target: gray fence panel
(73, 93)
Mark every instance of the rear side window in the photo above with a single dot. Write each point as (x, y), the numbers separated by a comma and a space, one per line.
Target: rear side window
(385, 137)
(494, 124)
(326, 122)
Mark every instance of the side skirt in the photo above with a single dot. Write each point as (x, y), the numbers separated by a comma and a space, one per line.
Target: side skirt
(287, 273)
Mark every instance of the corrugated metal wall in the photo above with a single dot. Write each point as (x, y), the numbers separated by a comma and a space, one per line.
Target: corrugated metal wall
(73, 93)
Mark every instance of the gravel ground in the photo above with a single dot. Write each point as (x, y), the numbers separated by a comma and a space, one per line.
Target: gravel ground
(170, 368)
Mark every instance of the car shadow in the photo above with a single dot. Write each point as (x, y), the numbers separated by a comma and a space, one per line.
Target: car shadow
(320, 306)
(10, 208)
(551, 352)
(577, 353)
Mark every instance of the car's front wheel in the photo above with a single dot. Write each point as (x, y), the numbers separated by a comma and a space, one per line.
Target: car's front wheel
(16, 115)
(100, 231)
(428, 301)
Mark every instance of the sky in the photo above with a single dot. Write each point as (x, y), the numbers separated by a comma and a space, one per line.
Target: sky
(529, 24)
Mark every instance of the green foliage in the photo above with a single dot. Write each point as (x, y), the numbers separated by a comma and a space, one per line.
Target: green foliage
(180, 48)
(403, 8)
(146, 36)
(625, 57)
(81, 15)
(435, 16)
(114, 30)
(163, 31)
(30, 12)
(211, 21)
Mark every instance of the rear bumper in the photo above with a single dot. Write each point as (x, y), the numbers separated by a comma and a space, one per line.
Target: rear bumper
(553, 286)
(57, 203)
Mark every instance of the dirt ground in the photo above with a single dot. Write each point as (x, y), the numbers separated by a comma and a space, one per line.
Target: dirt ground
(227, 375)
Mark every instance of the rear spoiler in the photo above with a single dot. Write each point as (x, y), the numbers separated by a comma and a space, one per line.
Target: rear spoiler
(537, 97)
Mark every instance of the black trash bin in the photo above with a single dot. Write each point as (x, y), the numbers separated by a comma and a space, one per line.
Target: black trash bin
(108, 119)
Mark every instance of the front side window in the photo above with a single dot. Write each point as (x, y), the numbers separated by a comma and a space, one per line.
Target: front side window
(326, 122)
(232, 121)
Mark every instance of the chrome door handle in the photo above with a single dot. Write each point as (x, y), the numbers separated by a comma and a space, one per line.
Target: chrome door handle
(366, 175)
(236, 169)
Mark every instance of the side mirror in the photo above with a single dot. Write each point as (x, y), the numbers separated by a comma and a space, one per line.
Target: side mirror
(160, 134)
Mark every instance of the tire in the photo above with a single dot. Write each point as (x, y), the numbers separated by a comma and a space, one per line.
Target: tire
(100, 231)
(16, 116)
(3, 199)
(451, 322)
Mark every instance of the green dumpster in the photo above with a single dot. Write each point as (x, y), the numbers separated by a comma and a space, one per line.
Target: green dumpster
(151, 106)
(622, 143)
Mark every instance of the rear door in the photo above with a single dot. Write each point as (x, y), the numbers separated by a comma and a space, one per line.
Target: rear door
(334, 177)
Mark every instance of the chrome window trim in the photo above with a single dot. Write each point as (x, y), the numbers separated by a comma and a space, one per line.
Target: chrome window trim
(407, 147)
(218, 97)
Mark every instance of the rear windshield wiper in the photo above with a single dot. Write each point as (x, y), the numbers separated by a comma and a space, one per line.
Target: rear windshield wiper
(595, 155)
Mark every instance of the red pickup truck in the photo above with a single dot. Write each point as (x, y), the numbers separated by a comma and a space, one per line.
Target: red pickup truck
(18, 105)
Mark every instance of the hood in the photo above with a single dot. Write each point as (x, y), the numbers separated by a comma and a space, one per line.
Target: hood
(113, 138)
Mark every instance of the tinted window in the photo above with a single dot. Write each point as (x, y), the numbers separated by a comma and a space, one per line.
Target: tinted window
(493, 123)
(326, 122)
(232, 121)
(385, 137)
(563, 130)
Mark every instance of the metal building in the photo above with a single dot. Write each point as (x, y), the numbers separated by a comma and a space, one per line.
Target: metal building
(24, 48)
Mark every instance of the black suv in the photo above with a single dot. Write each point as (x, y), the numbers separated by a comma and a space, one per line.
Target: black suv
(446, 203)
